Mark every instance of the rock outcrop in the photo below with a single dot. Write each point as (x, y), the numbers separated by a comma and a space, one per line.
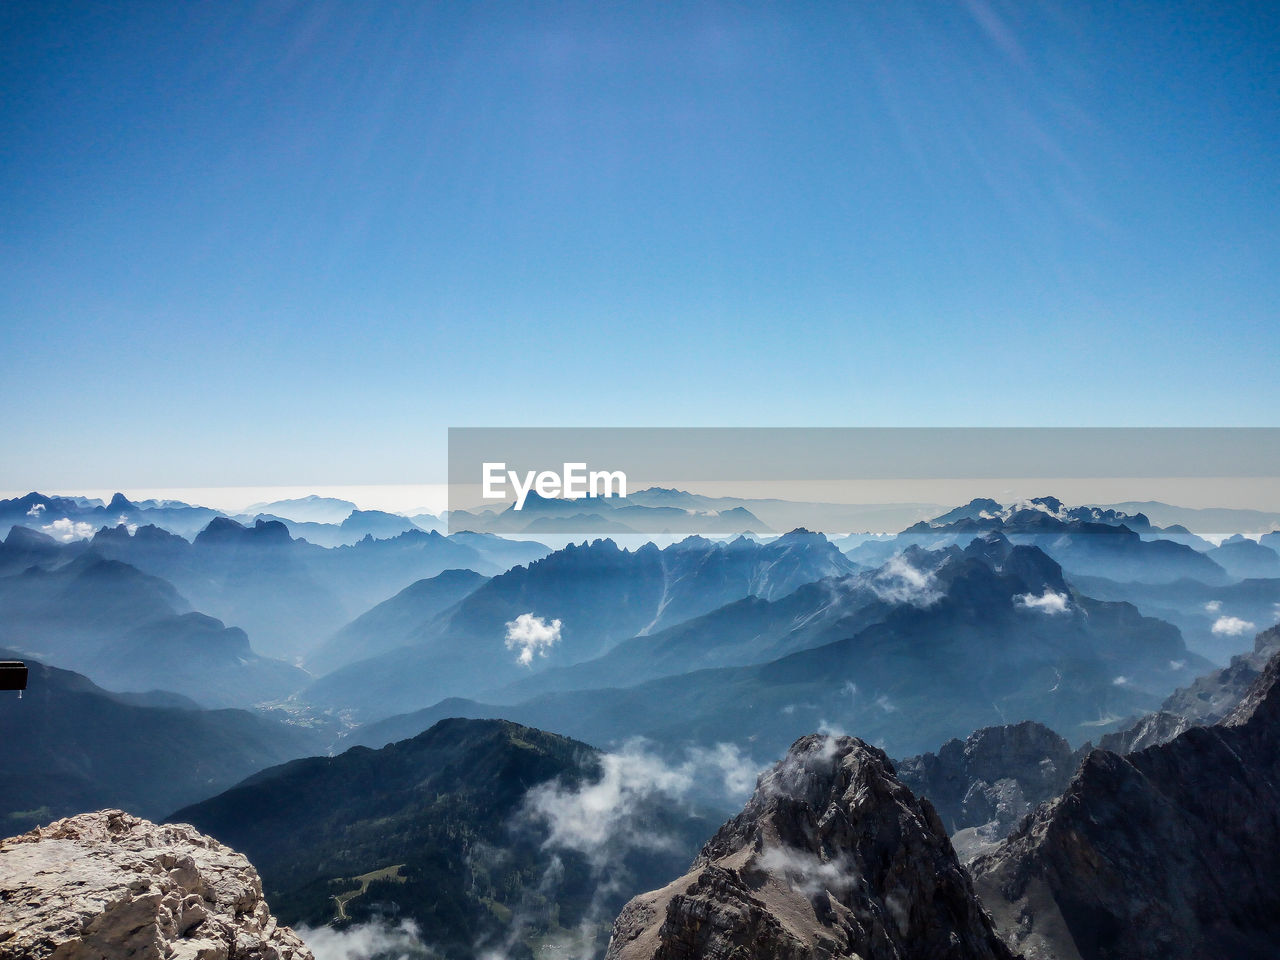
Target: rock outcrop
(1172, 852)
(983, 785)
(1211, 697)
(1147, 731)
(110, 886)
(1207, 700)
(832, 857)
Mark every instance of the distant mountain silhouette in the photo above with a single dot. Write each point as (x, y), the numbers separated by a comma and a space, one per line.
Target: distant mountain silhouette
(131, 631)
(290, 595)
(394, 622)
(70, 746)
(41, 512)
(600, 593)
(310, 509)
(668, 511)
(1085, 540)
(1245, 558)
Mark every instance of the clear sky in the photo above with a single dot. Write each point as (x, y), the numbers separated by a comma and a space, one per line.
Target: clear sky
(273, 243)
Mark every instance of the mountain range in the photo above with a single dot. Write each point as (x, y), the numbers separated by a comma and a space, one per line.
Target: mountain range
(1170, 851)
(1086, 540)
(288, 595)
(989, 635)
(130, 630)
(598, 593)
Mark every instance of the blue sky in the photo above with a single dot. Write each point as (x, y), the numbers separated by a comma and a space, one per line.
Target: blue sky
(251, 244)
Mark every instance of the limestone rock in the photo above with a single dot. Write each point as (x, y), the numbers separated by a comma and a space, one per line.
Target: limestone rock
(111, 886)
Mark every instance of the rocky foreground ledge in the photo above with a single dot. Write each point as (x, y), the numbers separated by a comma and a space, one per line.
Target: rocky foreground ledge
(110, 886)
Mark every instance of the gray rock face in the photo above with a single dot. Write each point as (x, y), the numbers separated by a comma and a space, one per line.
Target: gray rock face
(1207, 700)
(1148, 731)
(983, 785)
(1213, 696)
(1172, 852)
(111, 886)
(832, 857)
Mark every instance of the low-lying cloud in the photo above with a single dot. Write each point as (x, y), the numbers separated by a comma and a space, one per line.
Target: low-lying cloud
(605, 820)
(1231, 627)
(67, 530)
(899, 582)
(804, 872)
(1049, 603)
(601, 819)
(401, 941)
(531, 637)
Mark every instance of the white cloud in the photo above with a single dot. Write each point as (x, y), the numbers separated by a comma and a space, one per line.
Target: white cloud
(1213, 606)
(1120, 681)
(36, 510)
(804, 872)
(737, 771)
(604, 820)
(532, 636)
(67, 530)
(365, 940)
(1020, 505)
(885, 704)
(899, 582)
(1050, 603)
(1231, 627)
(601, 818)
(1177, 664)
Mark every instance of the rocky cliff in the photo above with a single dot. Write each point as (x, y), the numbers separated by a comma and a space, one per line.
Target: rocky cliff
(1172, 852)
(983, 785)
(1207, 700)
(110, 886)
(832, 857)
(1214, 695)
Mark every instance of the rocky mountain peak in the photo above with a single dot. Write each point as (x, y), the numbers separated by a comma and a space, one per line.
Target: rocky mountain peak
(832, 856)
(110, 885)
(120, 502)
(983, 785)
(1169, 852)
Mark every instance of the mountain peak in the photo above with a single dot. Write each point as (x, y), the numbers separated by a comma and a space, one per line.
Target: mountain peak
(832, 856)
(1261, 705)
(20, 536)
(219, 528)
(1168, 852)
